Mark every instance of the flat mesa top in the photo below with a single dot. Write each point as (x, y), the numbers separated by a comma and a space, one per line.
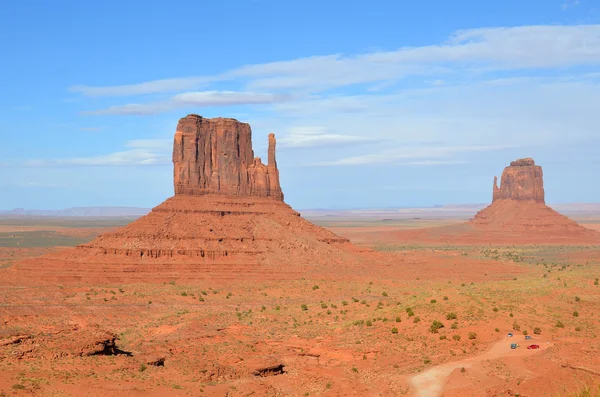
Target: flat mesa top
(198, 117)
(522, 162)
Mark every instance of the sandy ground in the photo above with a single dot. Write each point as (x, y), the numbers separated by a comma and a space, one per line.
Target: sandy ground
(431, 382)
(366, 334)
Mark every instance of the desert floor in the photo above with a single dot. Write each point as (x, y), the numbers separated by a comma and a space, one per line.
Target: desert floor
(333, 336)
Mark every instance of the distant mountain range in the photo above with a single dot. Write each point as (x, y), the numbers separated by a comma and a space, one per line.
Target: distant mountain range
(79, 212)
(438, 211)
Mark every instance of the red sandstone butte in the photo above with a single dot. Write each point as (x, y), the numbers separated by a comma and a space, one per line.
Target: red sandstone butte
(519, 206)
(522, 180)
(226, 221)
(215, 156)
(517, 215)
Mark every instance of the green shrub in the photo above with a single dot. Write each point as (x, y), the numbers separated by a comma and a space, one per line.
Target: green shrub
(525, 332)
(143, 367)
(575, 314)
(495, 309)
(433, 301)
(369, 323)
(416, 319)
(537, 331)
(184, 293)
(344, 303)
(472, 335)
(497, 330)
(559, 324)
(315, 287)
(454, 325)
(394, 330)
(451, 316)
(384, 293)
(443, 337)
(435, 326)
(577, 329)
(456, 337)
(577, 299)
(516, 326)
(304, 307)
(323, 306)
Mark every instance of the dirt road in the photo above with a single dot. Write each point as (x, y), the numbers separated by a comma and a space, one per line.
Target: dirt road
(430, 383)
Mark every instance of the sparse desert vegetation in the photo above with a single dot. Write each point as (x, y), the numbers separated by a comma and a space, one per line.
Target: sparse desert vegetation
(359, 328)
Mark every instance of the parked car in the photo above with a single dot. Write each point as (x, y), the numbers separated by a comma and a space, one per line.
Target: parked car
(527, 337)
(533, 347)
(513, 345)
(510, 334)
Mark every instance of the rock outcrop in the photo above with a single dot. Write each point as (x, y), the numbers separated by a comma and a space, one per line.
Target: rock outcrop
(517, 215)
(227, 220)
(522, 180)
(215, 156)
(519, 208)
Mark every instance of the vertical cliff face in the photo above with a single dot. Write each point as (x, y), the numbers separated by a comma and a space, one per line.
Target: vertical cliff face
(215, 156)
(522, 180)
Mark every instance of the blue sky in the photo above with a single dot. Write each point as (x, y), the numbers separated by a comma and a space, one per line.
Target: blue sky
(375, 104)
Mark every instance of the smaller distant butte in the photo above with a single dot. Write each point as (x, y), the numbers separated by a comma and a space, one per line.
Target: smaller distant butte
(518, 215)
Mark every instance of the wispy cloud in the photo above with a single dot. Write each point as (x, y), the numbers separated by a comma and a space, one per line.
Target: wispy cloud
(480, 91)
(569, 4)
(37, 184)
(306, 136)
(427, 155)
(140, 152)
(487, 49)
(149, 87)
(193, 99)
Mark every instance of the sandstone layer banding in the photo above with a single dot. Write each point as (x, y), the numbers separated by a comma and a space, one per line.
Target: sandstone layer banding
(227, 220)
(518, 215)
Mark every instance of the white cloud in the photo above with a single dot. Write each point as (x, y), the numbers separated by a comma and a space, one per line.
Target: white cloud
(192, 99)
(304, 137)
(226, 98)
(141, 152)
(149, 87)
(427, 155)
(480, 91)
(133, 109)
(39, 184)
(485, 49)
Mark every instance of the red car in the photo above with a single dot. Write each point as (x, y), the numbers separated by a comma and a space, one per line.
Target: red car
(533, 346)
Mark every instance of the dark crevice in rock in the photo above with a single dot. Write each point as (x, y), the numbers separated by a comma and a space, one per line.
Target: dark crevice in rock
(270, 371)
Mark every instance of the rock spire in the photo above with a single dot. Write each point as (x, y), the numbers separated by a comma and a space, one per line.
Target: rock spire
(215, 156)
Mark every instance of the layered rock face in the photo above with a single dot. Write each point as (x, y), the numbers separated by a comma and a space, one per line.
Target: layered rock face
(215, 156)
(227, 220)
(522, 180)
(518, 207)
